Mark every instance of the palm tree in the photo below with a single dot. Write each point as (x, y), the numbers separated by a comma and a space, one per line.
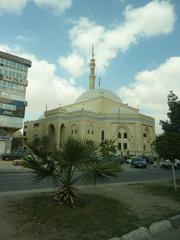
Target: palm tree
(76, 159)
(107, 147)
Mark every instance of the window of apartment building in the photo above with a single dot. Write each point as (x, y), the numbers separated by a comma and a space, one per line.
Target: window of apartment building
(3, 132)
(119, 135)
(7, 106)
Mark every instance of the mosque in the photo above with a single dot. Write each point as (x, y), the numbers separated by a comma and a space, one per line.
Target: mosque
(96, 115)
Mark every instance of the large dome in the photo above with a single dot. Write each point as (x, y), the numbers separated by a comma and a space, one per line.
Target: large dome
(97, 92)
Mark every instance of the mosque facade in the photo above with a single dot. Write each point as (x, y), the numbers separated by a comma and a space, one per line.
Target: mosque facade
(96, 115)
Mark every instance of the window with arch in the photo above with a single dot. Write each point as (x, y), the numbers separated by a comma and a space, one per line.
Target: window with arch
(90, 130)
(102, 135)
(74, 129)
(125, 135)
(119, 135)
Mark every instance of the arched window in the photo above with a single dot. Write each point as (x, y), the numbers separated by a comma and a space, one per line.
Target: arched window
(125, 135)
(74, 129)
(119, 135)
(102, 135)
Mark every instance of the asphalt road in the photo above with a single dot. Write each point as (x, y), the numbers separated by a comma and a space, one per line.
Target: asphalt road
(24, 181)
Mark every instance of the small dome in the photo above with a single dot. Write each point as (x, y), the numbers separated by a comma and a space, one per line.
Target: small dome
(97, 92)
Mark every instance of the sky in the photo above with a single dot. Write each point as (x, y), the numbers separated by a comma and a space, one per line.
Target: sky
(137, 50)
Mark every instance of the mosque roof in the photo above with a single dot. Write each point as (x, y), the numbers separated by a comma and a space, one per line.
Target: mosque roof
(98, 92)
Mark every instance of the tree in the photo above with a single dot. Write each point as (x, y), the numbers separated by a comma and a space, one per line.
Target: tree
(173, 125)
(107, 147)
(76, 159)
(167, 145)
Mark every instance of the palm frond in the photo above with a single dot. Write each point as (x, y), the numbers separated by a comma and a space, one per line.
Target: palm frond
(101, 171)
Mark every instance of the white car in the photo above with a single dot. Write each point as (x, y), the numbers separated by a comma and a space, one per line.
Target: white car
(168, 163)
(177, 163)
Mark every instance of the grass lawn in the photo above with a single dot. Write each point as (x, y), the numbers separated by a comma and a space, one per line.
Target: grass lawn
(162, 190)
(95, 217)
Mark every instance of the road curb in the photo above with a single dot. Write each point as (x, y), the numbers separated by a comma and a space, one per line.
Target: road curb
(175, 221)
(161, 226)
(141, 233)
(154, 229)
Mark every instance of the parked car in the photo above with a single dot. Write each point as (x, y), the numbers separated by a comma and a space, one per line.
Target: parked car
(167, 164)
(177, 164)
(138, 162)
(149, 159)
(14, 155)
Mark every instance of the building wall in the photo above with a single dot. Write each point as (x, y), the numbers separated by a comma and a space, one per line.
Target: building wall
(13, 83)
(88, 125)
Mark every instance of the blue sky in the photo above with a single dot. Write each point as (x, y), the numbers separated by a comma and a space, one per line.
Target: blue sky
(136, 49)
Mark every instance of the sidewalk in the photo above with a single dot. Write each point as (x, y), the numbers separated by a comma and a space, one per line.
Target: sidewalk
(7, 167)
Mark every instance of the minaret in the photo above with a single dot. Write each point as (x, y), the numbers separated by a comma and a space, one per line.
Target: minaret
(92, 71)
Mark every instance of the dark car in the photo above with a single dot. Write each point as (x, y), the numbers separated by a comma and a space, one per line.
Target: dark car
(138, 162)
(149, 159)
(14, 155)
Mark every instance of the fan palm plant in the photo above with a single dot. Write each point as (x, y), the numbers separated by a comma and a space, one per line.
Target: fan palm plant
(107, 147)
(75, 159)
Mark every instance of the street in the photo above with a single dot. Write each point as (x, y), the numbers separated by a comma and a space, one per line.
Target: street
(24, 181)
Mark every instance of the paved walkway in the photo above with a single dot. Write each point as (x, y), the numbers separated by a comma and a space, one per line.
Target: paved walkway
(7, 167)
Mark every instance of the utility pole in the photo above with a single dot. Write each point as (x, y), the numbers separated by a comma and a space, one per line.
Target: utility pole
(118, 128)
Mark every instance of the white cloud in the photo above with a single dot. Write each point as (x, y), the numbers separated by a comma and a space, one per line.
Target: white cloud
(12, 6)
(155, 18)
(45, 87)
(59, 6)
(150, 88)
(73, 63)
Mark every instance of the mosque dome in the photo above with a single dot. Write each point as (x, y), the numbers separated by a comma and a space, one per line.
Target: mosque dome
(98, 92)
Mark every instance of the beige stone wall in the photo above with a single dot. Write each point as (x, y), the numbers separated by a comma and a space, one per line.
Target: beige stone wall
(89, 121)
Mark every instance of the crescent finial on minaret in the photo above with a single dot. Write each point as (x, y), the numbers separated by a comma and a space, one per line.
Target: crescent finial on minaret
(92, 50)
